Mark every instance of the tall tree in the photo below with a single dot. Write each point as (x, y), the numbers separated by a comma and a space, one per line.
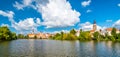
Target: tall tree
(113, 33)
(73, 31)
(6, 34)
(96, 35)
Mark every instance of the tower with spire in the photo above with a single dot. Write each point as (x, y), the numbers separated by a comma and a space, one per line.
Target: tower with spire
(94, 25)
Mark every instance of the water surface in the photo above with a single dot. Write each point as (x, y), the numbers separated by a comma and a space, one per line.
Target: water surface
(56, 48)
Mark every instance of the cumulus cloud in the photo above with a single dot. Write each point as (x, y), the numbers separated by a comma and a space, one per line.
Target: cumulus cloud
(88, 26)
(24, 3)
(27, 24)
(38, 21)
(9, 14)
(23, 25)
(117, 24)
(54, 32)
(86, 3)
(58, 13)
(55, 13)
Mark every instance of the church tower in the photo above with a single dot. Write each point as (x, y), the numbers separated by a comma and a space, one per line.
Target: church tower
(94, 26)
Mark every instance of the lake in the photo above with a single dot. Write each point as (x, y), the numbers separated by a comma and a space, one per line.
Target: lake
(57, 48)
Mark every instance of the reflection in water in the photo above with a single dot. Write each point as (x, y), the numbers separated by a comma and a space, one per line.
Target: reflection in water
(56, 48)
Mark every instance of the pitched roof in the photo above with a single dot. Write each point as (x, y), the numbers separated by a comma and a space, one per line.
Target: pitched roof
(110, 29)
(92, 30)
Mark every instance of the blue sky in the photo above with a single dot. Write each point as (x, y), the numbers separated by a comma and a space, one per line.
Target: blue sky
(22, 16)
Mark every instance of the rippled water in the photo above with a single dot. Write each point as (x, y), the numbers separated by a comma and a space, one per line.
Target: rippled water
(56, 48)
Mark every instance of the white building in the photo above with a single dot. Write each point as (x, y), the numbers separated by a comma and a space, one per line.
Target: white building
(109, 30)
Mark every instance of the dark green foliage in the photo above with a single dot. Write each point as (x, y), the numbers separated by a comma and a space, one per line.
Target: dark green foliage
(65, 36)
(6, 34)
(84, 35)
(20, 36)
(96, 35)
(26, 37)
(113, 33)
(73, 31)
(118, 36)
(35, 37)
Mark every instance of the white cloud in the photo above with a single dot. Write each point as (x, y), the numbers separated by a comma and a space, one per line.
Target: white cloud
(8, 14)
(54, 32)
(86, 3)
(5, 25)
(117, 24)
(118, 5)
(108, 20)
(25, 3)
(38, 21)
(88, 26)
(23, 25)
(58, 13)
(89, 11)
(26, 25)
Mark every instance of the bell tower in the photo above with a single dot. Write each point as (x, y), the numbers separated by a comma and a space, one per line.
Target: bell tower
(94, 26)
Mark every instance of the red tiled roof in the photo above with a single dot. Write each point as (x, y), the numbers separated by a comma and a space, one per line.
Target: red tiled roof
(110, 29)
(92, 30)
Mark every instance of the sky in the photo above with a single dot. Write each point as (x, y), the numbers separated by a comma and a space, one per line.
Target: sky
(51, 16)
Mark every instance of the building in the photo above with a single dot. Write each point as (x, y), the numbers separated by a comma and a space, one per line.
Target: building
(109, 30)
(77, 33)
(40, 35)
(31, 35)
(94, 27)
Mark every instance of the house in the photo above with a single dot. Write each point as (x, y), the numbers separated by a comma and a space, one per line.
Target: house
(31, 35)
(40, 35)
(109, 30)
(77, 33)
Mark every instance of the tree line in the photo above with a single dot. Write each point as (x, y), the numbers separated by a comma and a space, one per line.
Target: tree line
(86, 35)
(6, 34)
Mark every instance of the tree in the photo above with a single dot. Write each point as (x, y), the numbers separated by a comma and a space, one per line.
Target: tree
(113, 33)
(26, 37)
(85, 35)
(13, 35)
(62, 35)
(20, 36)
(73, 31)
(6, 34)
(96, 35)
(35, 37)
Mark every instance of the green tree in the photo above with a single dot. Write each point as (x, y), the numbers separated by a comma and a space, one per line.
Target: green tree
(20, 36)
(73, 32)
(6, 34)
(26, 37)
(118, 35)
(96, 35)
(85, 35)
(13, 35)
(62, 35)
(113, 33)
(35, 37)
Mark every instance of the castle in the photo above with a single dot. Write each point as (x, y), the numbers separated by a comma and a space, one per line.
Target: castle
(39, 35)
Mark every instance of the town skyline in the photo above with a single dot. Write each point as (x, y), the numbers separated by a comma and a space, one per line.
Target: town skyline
(52, 16)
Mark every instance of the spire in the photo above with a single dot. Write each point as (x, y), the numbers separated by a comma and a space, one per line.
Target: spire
(94, 22)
